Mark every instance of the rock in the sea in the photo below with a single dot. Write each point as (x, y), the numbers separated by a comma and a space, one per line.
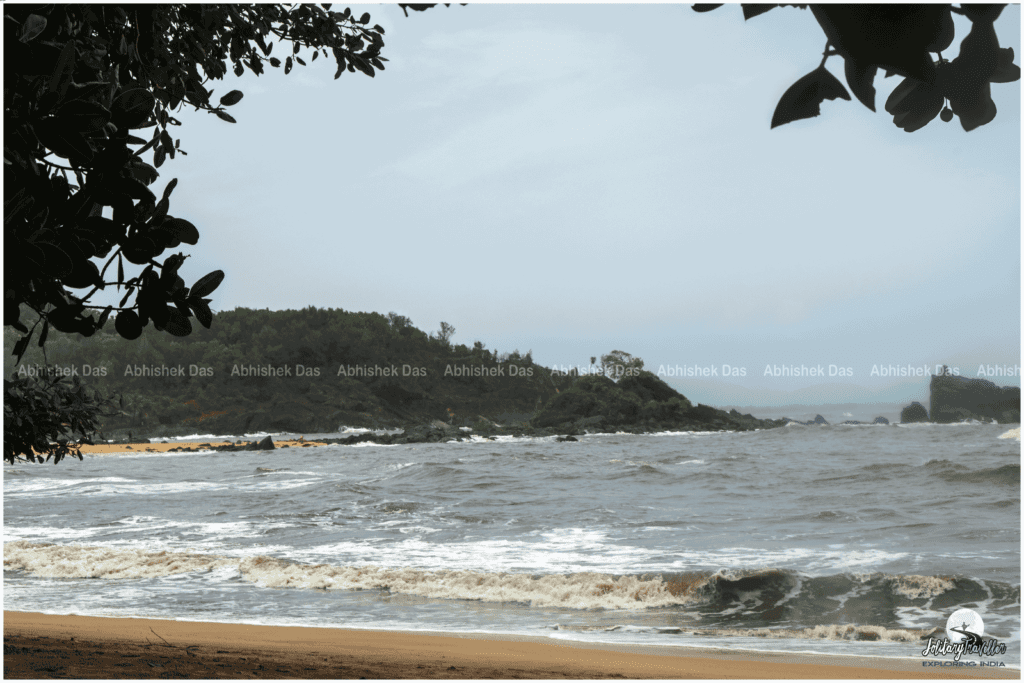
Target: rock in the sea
(915, 412)
(266, 444)
(566, 438)
(819, 420)
(880, 421)
(958, 399)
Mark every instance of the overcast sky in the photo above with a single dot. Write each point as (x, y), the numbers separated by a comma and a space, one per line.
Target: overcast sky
(579, 178)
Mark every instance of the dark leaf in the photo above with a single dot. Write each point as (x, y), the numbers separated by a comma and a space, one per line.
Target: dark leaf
(56, 261)
(894, 37)
(275, 62)
(975, 108)
(365, 18)
(85, 274)
(288, 65)
(206, 284)
(1006, 71)
(21, 345)
(61, 78)
(906, 87)
(83, 116)
(133, 108)
(128, 325)
(136, 190)
(177, 324)
(225, 116)
(69, 144)
(751, 11)
(140, 249)
(803, 99)
(861, 79)
(982, 13)
(702, 7)
(65, 318)
(87, 91)
(943, 35)
(181, 229)
(32, 27)
(142, 171)
(103, 316)
(202, 312)
(233, 97)
(170, 188)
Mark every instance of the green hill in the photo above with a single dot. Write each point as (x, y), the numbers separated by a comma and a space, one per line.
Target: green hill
(314, 370)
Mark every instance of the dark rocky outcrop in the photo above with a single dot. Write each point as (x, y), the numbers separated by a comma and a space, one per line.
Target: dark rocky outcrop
(958, 399)
(915, 412)
(266, 444)
(880, 421)
(637, 404)
(816, 422)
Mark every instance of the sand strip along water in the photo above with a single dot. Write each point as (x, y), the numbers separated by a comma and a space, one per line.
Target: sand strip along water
(164, 447)
(52, 646)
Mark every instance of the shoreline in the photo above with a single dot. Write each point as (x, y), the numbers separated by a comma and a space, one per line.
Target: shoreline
(50, 646)
(182, 446)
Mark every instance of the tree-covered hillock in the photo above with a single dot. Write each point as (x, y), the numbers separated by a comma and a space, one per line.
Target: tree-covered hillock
(303, 370)
(638, 403)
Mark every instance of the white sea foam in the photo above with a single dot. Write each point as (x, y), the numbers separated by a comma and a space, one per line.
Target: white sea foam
(586, 590)
(913, 586)
(828, 632)
(1011, 434)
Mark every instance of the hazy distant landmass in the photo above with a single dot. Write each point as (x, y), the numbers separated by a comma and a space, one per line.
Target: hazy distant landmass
(316, 370)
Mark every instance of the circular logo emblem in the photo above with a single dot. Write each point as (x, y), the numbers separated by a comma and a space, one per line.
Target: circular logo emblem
(964, 624)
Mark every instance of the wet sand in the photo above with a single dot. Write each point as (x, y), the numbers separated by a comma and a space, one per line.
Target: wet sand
(49, 646)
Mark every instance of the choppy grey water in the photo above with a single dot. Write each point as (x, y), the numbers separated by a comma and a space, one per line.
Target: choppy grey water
(836, 540)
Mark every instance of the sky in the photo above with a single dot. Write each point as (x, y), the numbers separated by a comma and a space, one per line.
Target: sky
(572, 179)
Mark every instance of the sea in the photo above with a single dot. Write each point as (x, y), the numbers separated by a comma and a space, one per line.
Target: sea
(836, 540)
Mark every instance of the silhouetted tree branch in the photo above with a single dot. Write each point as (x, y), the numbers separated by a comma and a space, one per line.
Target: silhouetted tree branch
(902, 39)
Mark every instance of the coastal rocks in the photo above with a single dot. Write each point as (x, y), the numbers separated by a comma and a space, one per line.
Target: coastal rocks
(958, 399)
(915, 412)
(266, 444)
(880, 421)
(637, 404)
(817, 421)
(435, 432)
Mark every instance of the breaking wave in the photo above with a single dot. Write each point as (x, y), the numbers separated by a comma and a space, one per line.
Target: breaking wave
(724, 592)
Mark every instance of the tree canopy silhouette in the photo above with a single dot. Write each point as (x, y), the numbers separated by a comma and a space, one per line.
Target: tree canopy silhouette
(81, 84)
(901, 39)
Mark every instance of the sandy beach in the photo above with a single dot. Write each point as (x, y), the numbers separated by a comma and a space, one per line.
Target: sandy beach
(50, 646)
(164, 447)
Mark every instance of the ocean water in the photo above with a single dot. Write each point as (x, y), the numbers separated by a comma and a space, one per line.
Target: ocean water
(835, 540)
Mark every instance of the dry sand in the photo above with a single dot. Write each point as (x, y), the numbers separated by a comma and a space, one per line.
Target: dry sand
(161, 447)
(48, 646)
